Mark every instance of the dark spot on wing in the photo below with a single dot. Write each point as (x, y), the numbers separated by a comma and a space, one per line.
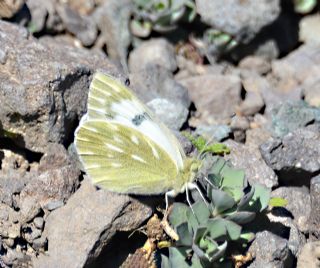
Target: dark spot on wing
(139, 118)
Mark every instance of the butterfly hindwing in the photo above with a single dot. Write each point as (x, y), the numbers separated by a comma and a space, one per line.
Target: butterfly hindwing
(124, 160)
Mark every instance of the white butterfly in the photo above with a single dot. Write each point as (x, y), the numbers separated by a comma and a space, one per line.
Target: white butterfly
(123, 147)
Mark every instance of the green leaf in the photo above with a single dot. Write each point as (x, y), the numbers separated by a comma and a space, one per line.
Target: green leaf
(177, 257)
(178, 214)
(248, 236)
(304, 6)
(241, 217)
(217, 148)
(260, 199)
(232, 177)
(233, 230)
(185, 237)
(201, 211)
(278, 202)
(221, 201)
(216, 228)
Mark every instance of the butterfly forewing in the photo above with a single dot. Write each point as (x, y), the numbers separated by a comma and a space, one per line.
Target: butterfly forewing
(111, 101)
(122, 159)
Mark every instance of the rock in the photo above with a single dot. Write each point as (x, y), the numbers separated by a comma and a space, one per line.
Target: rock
(215, 96)
(93, 217)
(240, 19)
(9, 8)
(44, 16)
(255, 64)
(38, 222)
(249, 159)
(157, 82)
(270, 251)
(296, 157)
(311, 92)
(112, 18)
(309, 255)
(299, 204)
(308, 29)
(155, 51)
(258, 132)
(42, 104)
(9, 227)
(314, 219)
(83, 27)
(253, 102)
(56, 180)
(215, 132)
(174, 115)
(30, 233)
(300, 65)
(289, 116)
(14, 167)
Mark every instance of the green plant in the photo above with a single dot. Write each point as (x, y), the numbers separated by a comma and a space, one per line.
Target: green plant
(304, 6)
(207, 228)
(160, 15)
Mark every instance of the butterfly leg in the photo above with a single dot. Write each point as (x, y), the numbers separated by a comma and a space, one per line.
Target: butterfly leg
(188, 199)
(171, 194)
(192, 186)
(208, 181)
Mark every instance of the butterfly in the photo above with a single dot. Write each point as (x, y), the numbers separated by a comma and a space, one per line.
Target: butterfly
(125, 149)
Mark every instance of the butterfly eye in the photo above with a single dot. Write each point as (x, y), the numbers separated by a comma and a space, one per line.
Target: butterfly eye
(127, 82)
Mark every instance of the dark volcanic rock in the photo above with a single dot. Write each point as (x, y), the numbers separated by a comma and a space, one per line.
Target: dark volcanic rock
(314, 219)
(296, 156)
(78, 231)
(249, 158)
(242, 19)
(270, 251)
(43, 87)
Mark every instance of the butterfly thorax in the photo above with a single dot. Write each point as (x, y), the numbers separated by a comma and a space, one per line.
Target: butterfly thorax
(188, 174)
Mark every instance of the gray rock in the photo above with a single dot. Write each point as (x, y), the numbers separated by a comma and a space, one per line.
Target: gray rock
(309, 255)
(300, 65)
(249, 158)
(157, 82)
(252, 104)
(44, 16)
(299, 204)
(30, 232)
(93, 217)
(9, 227)
(174, 115)
(83, 27)
(42, 103)
(10, 8)
(314, 219)
(215, 96)
(112, 18)
(38, 222)
(56, 180)
(289, 116)
(296, 156)
(311, 92)
(257, 136)
(255, 64)
(308, 29)
(155, 51)
(270, 251)
(215, 132)
(240, 19)
(13, 177)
